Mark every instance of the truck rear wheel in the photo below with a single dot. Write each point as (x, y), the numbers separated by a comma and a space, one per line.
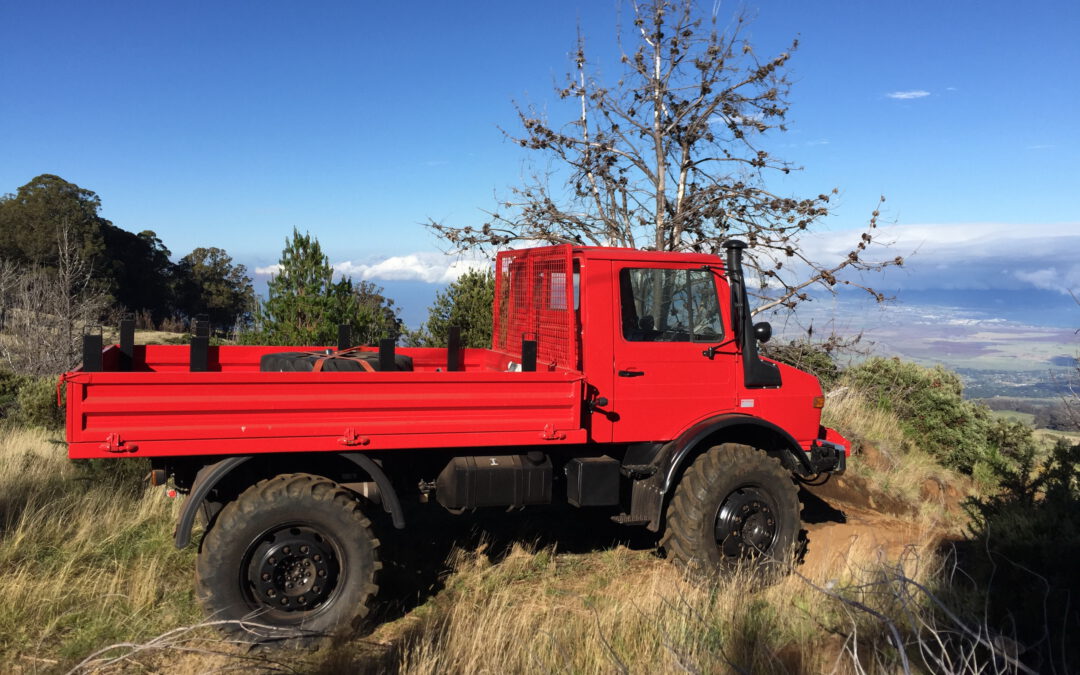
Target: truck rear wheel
(294, 553)
(735, 504)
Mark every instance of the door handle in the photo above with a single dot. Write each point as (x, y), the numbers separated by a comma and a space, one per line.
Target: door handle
(631, 373)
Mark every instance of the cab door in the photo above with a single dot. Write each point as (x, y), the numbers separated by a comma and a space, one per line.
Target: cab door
(669, 316)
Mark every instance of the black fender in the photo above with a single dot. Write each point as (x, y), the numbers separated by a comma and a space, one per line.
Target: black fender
(683, 446)
(208, 476)
(390, 501)
(651, 494)
(212, 474)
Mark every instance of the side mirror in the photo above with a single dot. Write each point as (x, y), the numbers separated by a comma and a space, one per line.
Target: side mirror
(763, 331)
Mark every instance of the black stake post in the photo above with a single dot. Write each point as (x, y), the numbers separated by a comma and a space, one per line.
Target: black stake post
(386, 355)
(528, 355)
(91, 353)
(127, 344)
(344, 337)
(453, 349)
(200, 346)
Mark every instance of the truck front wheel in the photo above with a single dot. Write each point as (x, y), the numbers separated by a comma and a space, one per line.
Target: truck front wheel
(293, 553)
(734, 504)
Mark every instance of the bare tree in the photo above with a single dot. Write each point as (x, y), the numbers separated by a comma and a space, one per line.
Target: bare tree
(46, 309)
(670, 157)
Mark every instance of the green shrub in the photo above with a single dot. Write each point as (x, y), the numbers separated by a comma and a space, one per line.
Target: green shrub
(929, 403)
(30, 401)
(1026, 540)
(10, 384)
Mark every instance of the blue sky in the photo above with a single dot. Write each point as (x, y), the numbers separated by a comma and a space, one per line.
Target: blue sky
(228, 124)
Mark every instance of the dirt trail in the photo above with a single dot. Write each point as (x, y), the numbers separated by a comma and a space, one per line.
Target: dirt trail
(844, 516)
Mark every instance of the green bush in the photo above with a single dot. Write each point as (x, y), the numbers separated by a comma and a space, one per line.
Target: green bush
(30, 401)
(1026, 541)
(930, 406)
(10, 384)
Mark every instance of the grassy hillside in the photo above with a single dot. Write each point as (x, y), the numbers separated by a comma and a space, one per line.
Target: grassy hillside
(893, 559)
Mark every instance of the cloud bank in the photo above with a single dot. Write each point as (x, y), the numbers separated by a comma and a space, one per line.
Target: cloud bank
(970, 256)
(427, 266)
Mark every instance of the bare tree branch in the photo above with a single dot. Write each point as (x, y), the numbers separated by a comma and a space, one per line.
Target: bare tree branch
(671, 157)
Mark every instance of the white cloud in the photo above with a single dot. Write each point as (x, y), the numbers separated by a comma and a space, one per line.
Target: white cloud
(1052, 279)
(969, 256)
(908, 95)
(428, 266)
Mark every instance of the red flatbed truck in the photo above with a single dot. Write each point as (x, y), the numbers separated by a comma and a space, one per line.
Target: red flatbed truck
(617, 378)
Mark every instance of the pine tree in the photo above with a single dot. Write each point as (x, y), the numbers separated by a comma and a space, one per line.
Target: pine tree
(467, 304)
(304, 305)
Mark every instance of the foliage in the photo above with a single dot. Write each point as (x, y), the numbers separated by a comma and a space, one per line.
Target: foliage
(813, 357)
(208, 282)
(1030, 533)
(304, 304)
(27, 401)
(931, 408)
(143, 277)
(133, 270)
(35, 405)
(670, 157)
(30, 218)
(10, 384)
(466, 303)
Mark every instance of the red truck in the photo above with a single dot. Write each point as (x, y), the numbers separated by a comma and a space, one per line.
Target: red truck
(617, 378)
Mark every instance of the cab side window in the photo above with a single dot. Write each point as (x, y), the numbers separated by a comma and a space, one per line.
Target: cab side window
(665, 305)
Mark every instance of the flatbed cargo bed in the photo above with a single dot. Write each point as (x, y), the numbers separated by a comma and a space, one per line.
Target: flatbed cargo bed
(159, 408)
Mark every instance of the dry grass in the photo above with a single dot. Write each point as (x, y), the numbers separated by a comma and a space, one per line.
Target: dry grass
(628, 611)
(89, 562)
(891, 464)
(87, 556)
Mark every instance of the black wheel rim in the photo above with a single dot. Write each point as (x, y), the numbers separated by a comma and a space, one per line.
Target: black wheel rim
(746, 525)
(292, 572)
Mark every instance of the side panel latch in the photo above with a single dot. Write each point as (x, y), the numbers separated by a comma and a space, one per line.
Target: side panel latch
(352, 439)
(113, 443)
(550, 433)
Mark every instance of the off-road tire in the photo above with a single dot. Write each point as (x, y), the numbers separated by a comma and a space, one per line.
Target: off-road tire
(722, 485)
(298, 530)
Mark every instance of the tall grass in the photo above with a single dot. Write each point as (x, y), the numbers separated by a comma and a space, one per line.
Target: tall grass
(86, 555)
(891, 463)
(625, 611)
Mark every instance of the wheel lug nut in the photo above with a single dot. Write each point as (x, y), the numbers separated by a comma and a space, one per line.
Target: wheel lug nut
(266, 576)
(285, 550)
(284, 601)
(322, 573)
(316, 589)
(271, 592)
(303, 549)
(302, 600)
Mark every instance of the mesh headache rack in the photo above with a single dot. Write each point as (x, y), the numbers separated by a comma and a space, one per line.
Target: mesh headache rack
(535, 300)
